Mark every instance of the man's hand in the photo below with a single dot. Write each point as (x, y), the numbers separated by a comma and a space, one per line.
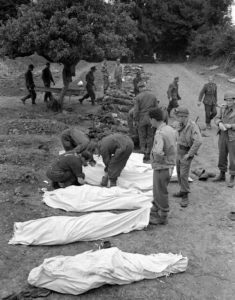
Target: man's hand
(81, 181)
(222, 126)
(228, 126)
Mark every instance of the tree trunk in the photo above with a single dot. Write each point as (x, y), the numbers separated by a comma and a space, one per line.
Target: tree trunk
(67, 73)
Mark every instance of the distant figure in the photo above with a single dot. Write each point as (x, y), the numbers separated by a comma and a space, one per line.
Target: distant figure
(155, 57)
(105, 72)
(47, 79)
(67, 169)
(187, 57)
(90, 86)
(209, 96)
(173, 95)
(136, 82)
(29, 82)
(118, 74)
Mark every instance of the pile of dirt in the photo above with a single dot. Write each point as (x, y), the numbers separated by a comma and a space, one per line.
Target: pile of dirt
(27, 126)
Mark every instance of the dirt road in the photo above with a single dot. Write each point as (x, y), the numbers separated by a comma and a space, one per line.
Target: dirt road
(202, 231)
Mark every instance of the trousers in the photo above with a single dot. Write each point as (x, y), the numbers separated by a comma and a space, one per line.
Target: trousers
(183, 169)
(172, 104)
(90, 94)
(226, 148)
(161, 179)
(146, 135)
(118, 162)
(32, 94)
(210, 113)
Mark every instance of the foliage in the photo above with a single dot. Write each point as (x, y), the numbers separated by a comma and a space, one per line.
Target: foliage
(167, 26)
(67, 30)
(8, 8)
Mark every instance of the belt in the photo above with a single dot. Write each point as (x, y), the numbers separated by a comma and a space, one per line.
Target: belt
(182, 147)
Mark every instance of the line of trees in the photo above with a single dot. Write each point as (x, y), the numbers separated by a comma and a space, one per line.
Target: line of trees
(67, 31)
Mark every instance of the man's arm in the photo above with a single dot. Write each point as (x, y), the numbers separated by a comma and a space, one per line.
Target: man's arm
(197, 141)
(136, 110)
(169, 91)
(201, 94)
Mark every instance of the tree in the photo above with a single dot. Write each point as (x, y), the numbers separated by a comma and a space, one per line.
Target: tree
(67, 31)
(8, 8)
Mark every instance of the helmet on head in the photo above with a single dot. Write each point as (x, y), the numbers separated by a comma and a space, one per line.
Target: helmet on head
(229, 95)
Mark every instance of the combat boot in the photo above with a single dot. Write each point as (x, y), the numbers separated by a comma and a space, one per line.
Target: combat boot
(231, 181)
(220, 177)
(184, 201)
(156, 219)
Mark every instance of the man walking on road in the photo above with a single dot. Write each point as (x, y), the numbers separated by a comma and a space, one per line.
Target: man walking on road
(226, 124)
(47, 79)
(163, 157)
(144, 101)
(90, 85)
(209, 96)
(118, 74)
(29, 82)
(173, 95)
(189, 141)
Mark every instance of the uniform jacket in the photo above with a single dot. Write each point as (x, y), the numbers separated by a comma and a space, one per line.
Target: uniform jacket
(29, 80)
(189, 137)
(90, 79)
(68, 162)
(77, 138)
(47, 76)
(163, 154)
(114, 145)
(173, 91)
(227, 116)
(143, 103)
(209, 94)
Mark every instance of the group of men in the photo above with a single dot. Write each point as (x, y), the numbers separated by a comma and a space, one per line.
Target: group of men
(47, 79)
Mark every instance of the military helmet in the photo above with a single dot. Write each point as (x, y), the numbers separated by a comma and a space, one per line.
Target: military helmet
(229, 95)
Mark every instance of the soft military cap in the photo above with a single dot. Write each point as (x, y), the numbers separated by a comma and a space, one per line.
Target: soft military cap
(229, 95)
(182, 111)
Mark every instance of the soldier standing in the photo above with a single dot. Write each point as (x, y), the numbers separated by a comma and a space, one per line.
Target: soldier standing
(189, 141)
(163, 157)
(226, 124)
(29, 82)
(144, 101)
(118, 74)
(173, 95)
(136, 82)
(209, 96)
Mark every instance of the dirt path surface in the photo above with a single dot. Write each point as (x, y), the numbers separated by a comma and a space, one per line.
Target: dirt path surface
(202, 232)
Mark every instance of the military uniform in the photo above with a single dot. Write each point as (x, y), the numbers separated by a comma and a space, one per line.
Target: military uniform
(90, 83)
(118, 76)
(29, 82)
(173, 96)
(47, 79)
(189, 141)
(74, 140)
(65, 171)
(163, 157)
(209, 96)
(226, 139)
(143, 103)
(136, 82)
(115, 150)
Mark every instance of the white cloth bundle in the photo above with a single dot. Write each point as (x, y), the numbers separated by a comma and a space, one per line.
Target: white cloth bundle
(78, 274)
(135, 175)
(64, 230)
(94, 198)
